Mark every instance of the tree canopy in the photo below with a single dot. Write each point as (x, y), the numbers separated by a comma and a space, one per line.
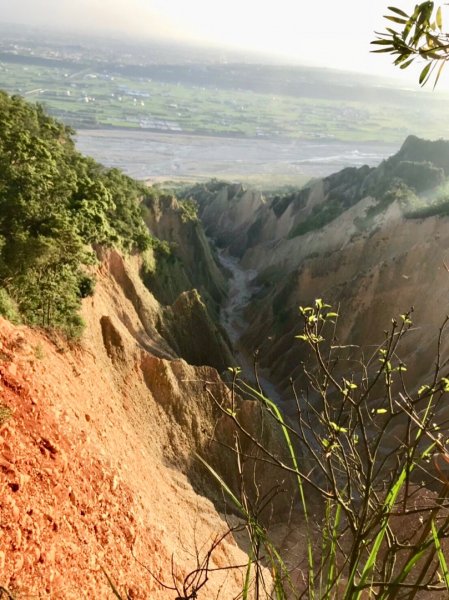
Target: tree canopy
(54, 204)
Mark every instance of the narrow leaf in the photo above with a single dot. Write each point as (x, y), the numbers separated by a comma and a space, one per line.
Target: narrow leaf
(441, 558)
(438, 74)
(381, 42)
(396, 19)
(424, 74)
(398, 11)
(439, 18)
(373, 555)
(245, 591)
(382, 50)
(224, 486)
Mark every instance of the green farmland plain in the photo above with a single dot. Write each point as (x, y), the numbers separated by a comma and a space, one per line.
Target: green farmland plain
(94, 84)
(229, 100)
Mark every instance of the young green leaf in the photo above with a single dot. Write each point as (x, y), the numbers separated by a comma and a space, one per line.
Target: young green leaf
(302, 337)
(439, 18)
(337, 428)
(398, 11)
(396, 19)
(424, 73)
(441, 557)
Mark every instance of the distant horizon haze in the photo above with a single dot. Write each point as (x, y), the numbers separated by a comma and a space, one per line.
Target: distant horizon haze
(323, 34)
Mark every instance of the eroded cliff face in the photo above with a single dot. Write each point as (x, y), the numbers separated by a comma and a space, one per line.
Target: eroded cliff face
(97, 455)
(346, 239)
(184, 276)
(370, 279)
(190, 262)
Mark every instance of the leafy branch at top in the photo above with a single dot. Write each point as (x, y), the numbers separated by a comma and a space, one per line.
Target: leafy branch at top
(420, 36)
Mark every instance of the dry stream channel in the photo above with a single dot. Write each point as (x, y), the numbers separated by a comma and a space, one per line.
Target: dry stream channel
(240, 290)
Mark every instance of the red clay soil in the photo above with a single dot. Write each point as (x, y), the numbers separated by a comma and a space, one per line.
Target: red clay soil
(78, 494)
(64, 514)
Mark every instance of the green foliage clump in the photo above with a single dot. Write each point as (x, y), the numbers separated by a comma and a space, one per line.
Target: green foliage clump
(399, 192)
(320, 216)
(5, 413)
(419, 175)
(161, 248)
(438, 208)
(189, 211)
(204, 193)
(8, 308)
(420, 35)
(54, 205)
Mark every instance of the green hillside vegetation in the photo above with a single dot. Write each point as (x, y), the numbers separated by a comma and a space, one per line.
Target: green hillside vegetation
(54, 205)
(404, 177)
(439, 208)
(434, 205)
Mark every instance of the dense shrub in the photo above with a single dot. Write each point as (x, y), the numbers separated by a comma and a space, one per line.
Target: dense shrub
(54, 204)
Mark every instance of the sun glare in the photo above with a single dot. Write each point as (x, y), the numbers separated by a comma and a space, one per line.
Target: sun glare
(336, 35)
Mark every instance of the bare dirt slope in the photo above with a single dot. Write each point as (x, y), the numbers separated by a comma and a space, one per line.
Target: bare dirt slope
(371, 278)
(93, 454)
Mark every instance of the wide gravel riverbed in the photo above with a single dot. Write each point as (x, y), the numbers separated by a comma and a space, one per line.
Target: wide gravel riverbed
(146, 155)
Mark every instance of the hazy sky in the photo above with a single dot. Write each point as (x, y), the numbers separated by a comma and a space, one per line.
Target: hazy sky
(334, 33)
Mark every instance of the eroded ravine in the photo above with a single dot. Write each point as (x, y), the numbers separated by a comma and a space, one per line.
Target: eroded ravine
(241, 287)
